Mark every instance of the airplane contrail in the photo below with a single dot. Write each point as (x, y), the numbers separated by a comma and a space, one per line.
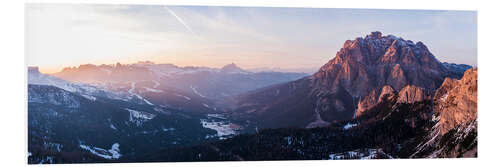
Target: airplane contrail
(181, 21)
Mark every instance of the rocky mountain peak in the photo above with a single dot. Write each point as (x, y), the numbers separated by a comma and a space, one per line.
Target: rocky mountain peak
(412, 94)
(374, 61)
(362, 73)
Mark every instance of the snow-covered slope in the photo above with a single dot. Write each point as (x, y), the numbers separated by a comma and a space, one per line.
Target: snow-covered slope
(212, 83)
(37, 78)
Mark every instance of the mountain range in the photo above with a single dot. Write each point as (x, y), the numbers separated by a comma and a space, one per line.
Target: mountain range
(378, 97)
(346, 85)
(204, 82)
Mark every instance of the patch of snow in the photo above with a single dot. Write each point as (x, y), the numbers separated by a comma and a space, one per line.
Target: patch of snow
(115, 151)
(112, 126)
(48, 159)
(168, 129)
(433, 138)
(131, 92)
(151, 104)
(152, 90)
(61, 97)
(86, 90)
(140, 114)
(359, 154)
(139, 117)
(206, 105)
(223, 128)
(220, 116)
(52, 146)
(196, 91)
(288, 140)
(112, 153)
(35, 77)
(185, 97)
(143, 99)
(89, 97)
(445, 96)
(349, 125)
(132, 87)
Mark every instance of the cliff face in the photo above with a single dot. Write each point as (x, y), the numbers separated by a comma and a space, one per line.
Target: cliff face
(409, 94)
(412, 94)
(364, 66)
(375, 97)
(454, 128)
(369, 63)
(456, 101)
(376, 66)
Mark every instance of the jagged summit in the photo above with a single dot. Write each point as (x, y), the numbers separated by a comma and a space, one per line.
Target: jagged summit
(375, 34)
(376, 60)
(232, 68)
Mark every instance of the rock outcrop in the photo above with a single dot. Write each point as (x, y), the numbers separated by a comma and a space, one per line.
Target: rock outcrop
(454, 128)
(409, 94)
(375, 97)
(456, 101)
(412, 94)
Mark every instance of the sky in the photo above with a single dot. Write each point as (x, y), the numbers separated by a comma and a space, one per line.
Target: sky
(300, 39)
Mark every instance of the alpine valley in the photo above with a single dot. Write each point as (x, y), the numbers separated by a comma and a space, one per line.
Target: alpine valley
(379, 97)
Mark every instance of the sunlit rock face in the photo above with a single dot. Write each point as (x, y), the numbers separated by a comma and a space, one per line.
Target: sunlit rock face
(372, 62)
(375, 97)
(412, 94)
(454, 123)
(365, 67)
(456, 101)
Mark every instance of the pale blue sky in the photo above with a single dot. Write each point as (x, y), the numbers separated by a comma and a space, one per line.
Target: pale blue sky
(60, 35)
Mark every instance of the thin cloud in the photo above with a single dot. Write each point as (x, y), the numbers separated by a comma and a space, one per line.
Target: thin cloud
(182, 22)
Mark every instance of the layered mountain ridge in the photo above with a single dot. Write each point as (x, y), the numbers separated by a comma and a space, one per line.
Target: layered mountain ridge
(98, 118)
(202, 82)
(379, 97)
(408, 124)
(351, 81)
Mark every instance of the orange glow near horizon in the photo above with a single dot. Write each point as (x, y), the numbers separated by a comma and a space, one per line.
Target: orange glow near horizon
(68, 35)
